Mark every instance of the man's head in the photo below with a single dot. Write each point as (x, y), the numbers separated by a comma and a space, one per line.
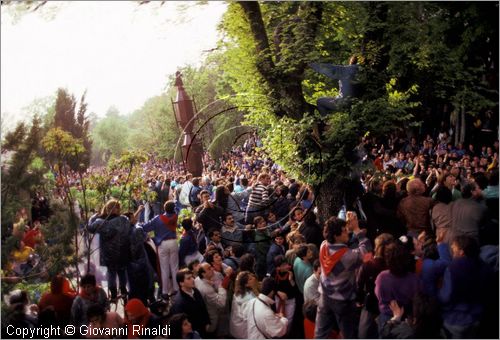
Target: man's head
(464, 246)
(206, 271)
(297, 214)
(214, 235)
(229, 220)
(259, 222)
(336, 230)
(471, 190)
(169, 207)
(96, 313)
(204, 196)
(187, 224)
(450, 181)
(317, 268)
(88, 284)
(185, 279)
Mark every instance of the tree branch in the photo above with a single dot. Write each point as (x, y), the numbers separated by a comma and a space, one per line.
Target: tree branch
(254, 16)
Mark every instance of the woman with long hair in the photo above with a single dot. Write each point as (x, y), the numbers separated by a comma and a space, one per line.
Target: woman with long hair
(246, 288)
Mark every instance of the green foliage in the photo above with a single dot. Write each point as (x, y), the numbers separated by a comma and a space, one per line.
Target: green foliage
(59, 253)
(23, 170)
(110, 135)
(75, 122)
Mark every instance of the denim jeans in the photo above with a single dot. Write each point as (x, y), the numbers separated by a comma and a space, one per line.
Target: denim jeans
(331, 311)
(122, 278)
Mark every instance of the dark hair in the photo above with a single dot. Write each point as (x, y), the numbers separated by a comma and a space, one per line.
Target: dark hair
(430, 249)
(292, 212)
(181, 275)
(244, 181)
(389, 189)
(238, 250)
(187, 224)
(196, 181)
(279, 260)
(95, 310)
(88, 279)
(212, 231)
(283, 190)
(257, 220)
(268, 285)
(480, 179)
(310, 309)
(204, 192)
(468, 244)
(175, 325)
(221, 197)
(334, 228)
(192, 264)
(316, 264)
(169, 207)
(396, 256)
(302, 251)
(226, 215)
(209, 257)
(493, 177)
(247, 262)
(468, 189)
(443, 194)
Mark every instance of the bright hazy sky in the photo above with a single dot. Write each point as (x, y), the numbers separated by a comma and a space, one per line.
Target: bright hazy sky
(122, 53)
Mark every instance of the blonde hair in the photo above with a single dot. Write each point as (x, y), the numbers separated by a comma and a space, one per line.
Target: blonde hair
(380, 242)
(415, 187)
(110, 205)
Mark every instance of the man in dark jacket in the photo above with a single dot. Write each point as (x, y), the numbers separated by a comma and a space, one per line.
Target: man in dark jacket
(114, 244)
(209, 214)
(190, 301)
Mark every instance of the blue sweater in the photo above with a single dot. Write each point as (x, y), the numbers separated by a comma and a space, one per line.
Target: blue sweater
(160, 229)
(460, 295)
(432, 270)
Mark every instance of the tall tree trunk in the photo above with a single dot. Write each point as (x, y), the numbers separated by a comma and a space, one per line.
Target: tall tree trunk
(462, 127)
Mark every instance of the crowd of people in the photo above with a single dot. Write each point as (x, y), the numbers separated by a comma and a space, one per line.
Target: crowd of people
(414, 255)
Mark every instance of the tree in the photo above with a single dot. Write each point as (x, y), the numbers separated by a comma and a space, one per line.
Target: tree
(110, 136)
(74, 121)
(284, 117)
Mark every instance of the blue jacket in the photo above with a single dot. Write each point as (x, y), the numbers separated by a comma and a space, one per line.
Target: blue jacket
(432, 270)
(273, 251)
(160, 229)
(344, 73)
(460, 295)
(187, 246)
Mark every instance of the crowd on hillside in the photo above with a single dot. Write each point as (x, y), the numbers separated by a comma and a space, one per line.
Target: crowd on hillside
(414, 254)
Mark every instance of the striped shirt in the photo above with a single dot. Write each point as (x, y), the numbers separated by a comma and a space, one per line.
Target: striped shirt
(259, 196)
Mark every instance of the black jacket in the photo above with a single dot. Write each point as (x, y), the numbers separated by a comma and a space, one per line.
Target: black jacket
(195, 309)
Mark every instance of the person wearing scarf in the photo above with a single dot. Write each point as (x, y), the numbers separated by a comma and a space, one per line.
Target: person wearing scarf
(89, 294)
(137, 314)
(339, 264)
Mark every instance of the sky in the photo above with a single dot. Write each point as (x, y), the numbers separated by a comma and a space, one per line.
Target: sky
(120, 52)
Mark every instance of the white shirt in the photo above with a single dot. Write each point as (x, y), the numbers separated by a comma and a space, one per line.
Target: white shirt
(262, 322)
